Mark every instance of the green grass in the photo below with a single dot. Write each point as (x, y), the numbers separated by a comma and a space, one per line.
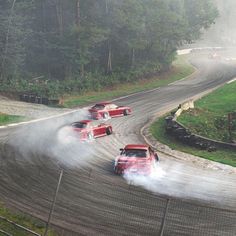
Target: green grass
(180, 69)
(7, 119)
(22, 220)
(209, 118)
(223, 156)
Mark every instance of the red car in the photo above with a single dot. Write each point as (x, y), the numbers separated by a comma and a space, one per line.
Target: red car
(136, 158)
(104, 110)
(214, 56)
(88, 129)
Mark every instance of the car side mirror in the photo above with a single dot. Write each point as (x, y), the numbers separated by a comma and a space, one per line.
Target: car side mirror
(121, 149)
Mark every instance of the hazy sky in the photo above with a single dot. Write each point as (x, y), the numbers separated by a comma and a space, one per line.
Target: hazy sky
(223, 32)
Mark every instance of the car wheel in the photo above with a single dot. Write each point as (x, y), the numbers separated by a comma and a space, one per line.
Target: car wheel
(154, 167)
(156, 157)
(126, 112)
(117, 171)
(105, 115)
(90, 136)
(108, 130)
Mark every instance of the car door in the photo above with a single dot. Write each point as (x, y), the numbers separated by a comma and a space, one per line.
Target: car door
(101, 129)
(113, 111)
(98, 129)
(92, 128)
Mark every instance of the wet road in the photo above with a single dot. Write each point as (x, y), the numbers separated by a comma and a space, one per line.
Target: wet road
(91, 200)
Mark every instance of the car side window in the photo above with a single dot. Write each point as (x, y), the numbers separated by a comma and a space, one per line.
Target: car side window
(112, 106)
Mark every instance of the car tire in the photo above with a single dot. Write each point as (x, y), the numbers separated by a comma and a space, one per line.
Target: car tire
(90, 136)
(105, 115)
(116, 171)
(156, 157)
(108, 130)
(126, 112)
(154, 167)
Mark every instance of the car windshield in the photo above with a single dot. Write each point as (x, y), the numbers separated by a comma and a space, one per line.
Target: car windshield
(79, 125)
(134, 153)
(98, 107)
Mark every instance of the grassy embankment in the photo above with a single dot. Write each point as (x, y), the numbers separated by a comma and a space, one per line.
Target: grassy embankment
(7, 119)
(22, 220)
(209, 119)
(180, 69)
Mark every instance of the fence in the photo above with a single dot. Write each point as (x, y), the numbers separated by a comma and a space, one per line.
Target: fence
(17, 226)
(95, 202)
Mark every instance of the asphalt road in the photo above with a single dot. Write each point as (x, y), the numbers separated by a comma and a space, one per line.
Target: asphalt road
(92, 200)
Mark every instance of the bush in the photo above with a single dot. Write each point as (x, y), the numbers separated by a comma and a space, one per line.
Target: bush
(89, 82)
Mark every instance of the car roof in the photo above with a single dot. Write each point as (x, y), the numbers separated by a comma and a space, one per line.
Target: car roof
(137, 146)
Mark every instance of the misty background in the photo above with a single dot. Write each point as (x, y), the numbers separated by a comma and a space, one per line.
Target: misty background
(56, 47)
(223, 32)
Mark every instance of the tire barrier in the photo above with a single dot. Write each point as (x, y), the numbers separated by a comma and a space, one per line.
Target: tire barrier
(185, 136)
(34, 98)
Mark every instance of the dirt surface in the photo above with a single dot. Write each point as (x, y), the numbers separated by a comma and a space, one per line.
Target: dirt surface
(92, 200)
(29, 110)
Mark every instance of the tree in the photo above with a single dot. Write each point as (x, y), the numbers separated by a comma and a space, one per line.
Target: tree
(14, 30)
(63, 40)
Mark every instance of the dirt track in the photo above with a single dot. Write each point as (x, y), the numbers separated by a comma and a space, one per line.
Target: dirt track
(92, 201)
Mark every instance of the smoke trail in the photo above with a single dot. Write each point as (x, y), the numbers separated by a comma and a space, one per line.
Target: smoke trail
(149, 182)
(54, 141)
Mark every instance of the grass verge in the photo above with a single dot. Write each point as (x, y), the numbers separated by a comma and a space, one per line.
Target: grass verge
(209, 118)
(7, 119)
(223, 156)
(180, 69)
(22, 220)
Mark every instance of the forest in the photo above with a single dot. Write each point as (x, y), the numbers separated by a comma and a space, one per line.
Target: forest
(58, 46)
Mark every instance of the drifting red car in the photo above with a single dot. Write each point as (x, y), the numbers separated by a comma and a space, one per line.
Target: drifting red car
(214, 56)
(104, 110)
(136, 158)
(89, 129)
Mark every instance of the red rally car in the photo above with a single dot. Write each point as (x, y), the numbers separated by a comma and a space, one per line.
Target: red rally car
(104, 110)
(88, 129)
(136, 158)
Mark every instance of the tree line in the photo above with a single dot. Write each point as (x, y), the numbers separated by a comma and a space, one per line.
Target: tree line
(94, 42)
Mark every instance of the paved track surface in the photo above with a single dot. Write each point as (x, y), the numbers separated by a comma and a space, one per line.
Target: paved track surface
(92, 200)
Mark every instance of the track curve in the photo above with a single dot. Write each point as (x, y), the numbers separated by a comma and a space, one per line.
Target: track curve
(91, 200)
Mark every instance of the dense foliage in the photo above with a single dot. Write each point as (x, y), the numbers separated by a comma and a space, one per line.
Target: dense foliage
(87, 44)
